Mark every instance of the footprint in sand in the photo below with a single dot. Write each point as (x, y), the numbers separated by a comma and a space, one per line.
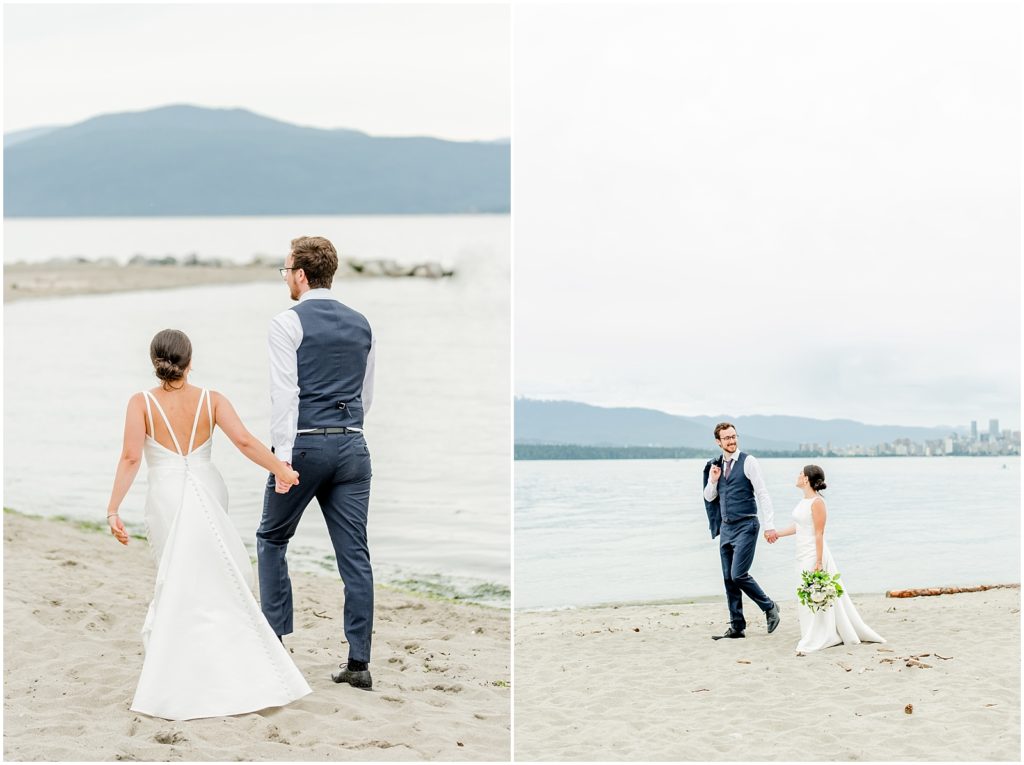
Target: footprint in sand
(448, 688)
(274, 734)
(170, 737)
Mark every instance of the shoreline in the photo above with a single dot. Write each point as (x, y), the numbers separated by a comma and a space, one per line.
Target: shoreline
(75, 601)
(53, 280)
(774, 456)
(425, 586)
(703, 600)
(70, 277)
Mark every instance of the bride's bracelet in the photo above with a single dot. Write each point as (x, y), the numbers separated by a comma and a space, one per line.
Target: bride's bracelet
(111, 515)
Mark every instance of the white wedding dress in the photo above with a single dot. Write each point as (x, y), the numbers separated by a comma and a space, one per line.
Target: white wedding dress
(209, 649)
(839, 624)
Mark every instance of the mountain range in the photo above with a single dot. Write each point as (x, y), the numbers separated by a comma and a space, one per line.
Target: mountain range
(570, 422)
(189, 160)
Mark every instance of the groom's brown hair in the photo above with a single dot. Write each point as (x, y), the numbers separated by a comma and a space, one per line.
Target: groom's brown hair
(317, 257)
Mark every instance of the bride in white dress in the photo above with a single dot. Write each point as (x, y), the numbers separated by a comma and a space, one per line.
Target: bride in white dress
(841, 623)
(209, 649)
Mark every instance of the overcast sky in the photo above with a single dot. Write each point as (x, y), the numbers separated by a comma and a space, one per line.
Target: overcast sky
(805, 209)
(439, 70)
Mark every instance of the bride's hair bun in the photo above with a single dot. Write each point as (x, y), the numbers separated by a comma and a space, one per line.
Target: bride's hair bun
(171, 353)
(168, 370)
(816, 477)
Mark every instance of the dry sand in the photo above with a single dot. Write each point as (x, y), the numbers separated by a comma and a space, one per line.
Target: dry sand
(648, 683)
(23, 281)
(74, 601)
(65, 278)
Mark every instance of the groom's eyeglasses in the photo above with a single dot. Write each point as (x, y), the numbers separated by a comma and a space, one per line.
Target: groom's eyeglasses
(284, 271)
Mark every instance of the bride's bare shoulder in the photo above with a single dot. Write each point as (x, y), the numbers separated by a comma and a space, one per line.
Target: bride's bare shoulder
(218, 399)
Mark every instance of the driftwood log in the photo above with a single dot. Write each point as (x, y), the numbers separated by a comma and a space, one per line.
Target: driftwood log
(947, 590)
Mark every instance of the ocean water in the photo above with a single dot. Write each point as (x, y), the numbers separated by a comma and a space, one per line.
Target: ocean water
(461, 240)
(612, 531)
(439, 429)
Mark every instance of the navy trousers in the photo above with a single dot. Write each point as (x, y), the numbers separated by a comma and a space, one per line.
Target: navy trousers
(335, 469)
(738, 541)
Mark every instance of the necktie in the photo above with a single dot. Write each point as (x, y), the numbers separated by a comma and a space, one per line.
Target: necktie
(725, 477)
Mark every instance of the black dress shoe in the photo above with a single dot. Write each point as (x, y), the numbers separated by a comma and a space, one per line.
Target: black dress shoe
(357, 679)
(729, 633)
(773, 618)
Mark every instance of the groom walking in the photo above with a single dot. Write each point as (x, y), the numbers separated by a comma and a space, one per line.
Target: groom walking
(321, 385)
(734, 493)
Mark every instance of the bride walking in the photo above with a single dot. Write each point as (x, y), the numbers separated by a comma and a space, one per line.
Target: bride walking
(840, 623)
(209, 649)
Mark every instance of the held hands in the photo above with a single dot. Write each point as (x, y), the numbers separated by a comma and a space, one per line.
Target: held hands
(286, 478)
(117, 528)
(714, 474)
(772, 536)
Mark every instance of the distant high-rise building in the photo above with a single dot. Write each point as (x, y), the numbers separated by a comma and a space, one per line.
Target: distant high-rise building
(993, 430)
(974, 430)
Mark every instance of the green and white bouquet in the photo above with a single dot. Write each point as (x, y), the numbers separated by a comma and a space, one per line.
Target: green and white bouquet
(819, 590)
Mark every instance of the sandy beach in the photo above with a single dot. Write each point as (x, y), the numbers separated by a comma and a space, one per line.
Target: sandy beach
(65, 278)
(74, 601)
(646, 682)
(23, 281)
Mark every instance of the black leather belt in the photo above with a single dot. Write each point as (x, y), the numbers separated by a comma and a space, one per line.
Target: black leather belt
(327, 431)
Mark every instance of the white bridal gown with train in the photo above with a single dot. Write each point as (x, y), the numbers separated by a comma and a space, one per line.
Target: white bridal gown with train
(209, 649)
(839, 624)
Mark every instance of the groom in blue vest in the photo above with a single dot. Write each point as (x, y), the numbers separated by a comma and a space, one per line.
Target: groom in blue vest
(734, 493)
(321, 385)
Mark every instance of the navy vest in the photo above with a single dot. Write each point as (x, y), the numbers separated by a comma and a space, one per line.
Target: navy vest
(736, 495)
(332, 364)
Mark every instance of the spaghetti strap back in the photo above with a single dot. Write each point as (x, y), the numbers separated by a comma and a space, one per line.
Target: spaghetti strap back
(167, 422)
(149, 413)
(195, 422)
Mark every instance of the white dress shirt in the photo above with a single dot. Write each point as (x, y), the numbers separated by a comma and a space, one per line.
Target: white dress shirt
(284, 340)
(753, 472)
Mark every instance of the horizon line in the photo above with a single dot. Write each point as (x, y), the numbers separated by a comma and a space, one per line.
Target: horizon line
(60, 126)
(519, 396)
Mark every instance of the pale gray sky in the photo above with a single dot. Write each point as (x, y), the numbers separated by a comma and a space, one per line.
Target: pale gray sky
(387, 69)
(808, 209)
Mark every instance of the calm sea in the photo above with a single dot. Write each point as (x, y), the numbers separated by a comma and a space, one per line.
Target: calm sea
(440, 426)
(611, 531)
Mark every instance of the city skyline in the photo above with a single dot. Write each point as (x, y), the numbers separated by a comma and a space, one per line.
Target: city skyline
(1003, 443)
